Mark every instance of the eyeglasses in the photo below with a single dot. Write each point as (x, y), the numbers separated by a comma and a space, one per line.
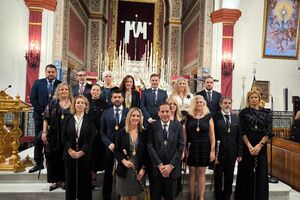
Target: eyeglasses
(80, 75)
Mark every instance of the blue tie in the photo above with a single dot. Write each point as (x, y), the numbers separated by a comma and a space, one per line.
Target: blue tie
(50, 89)
(117, 116)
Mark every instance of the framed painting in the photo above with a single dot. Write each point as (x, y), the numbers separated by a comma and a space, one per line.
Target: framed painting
(264, 89)
(281, 26)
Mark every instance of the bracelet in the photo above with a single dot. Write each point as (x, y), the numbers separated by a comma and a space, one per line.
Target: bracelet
(44, 132)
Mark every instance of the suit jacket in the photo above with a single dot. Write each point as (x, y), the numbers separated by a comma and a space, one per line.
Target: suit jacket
(231, 144)
(149, 106)
(85, 140)
(108, 123)
(213, 106)
(165, 154)
(39, 96)
(86, 91)
(123, 142)
(135, 99)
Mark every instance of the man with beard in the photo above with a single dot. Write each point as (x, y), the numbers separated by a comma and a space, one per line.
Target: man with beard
(211, 97)
(112, 120)
(228, 132)
(40, 95)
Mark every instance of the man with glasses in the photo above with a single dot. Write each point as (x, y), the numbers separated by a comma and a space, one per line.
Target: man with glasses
(82, 87)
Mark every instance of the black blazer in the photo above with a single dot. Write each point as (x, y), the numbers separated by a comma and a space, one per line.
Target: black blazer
(86, 91)
(231, 144)
(213, 106)
(135, 99)
(165, 154)
(123, 142)
(149, 106)
(108, 123)
(39, 96)
(85, 140)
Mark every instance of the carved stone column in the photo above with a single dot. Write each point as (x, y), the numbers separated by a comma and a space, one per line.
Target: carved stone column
(173, 36)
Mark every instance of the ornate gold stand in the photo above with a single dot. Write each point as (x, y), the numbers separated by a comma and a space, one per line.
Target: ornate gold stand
(10, 133)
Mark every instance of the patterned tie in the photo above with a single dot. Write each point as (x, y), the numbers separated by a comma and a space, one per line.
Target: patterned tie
(227, 121)
(81, 89)
(50, 89)
(209, 96)
(154, 90)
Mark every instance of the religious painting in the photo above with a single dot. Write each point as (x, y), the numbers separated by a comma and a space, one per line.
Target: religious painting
(135, 28)
(281, 29)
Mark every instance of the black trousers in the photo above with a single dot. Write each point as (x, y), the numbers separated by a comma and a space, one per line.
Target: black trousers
(84, 180)
(55, 167)
(163, 187)
(108, 177)
(225, 169)
(38, 143)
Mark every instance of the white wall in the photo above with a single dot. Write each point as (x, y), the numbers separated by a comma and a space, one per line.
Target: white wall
(14, 17)
(14, 23)
(248, 35)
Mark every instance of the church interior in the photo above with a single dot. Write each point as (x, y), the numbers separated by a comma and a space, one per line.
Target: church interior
(240, 43)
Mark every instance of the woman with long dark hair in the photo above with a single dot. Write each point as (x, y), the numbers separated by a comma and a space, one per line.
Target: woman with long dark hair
(129, 92)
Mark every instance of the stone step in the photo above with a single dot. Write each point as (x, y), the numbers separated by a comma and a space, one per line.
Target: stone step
(40, 191)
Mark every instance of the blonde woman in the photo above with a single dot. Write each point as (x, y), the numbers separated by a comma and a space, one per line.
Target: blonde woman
(200, 144)
(256, 128)
(54, 116)
(108, 87)
(78, 137)
(181, 93)
(130, 153)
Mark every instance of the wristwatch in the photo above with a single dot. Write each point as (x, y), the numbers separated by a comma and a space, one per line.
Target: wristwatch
(262, 143)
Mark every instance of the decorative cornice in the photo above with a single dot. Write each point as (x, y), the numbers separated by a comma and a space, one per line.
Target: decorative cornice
(173, 21)
(45, 4)
(92, 15)
(226, 16)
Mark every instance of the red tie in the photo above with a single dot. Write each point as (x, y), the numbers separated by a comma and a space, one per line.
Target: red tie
(81, 89)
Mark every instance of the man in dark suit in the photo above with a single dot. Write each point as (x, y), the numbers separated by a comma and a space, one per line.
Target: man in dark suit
(40, 95)
(165, 147)
(112, 120)
(151, 99)
(228, 132)
(211, 97)
(82, 87)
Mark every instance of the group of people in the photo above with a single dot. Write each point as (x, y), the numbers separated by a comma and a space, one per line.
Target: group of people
(87, 128)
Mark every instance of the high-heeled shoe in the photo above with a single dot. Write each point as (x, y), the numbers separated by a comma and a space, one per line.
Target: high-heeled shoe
(53, 186)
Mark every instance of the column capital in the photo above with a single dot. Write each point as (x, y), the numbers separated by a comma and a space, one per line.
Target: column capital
(225, 15)
(45, 4)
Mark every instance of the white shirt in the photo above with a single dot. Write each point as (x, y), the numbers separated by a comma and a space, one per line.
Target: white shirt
(78, 124)
(225, 117)
(167, 127)
(185, 102)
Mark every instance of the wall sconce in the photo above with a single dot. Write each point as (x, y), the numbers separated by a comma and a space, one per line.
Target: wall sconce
(227, 60)
(32, 56)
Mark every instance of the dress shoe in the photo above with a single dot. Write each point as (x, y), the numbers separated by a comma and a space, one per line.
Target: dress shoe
(53, 186)
(36, 168)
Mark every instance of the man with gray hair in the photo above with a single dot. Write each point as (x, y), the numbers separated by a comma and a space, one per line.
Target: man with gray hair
(82, 87)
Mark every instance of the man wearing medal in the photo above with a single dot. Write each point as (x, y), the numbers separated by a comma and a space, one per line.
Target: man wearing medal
(228, 132)
(112, 120)
(40, 95)
(165, 147)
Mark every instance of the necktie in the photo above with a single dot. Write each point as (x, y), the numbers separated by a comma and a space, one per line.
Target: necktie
(155, 94)
(81, 89)
(50, 89)
(227, 121)
(209, 96)
(165, 132)
(117, 116)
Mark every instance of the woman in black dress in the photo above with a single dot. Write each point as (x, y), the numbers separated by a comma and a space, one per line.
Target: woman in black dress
(129, 92)
(97, 105)
(78, 137)
(200, 140)
(130, 153)
(256, 125)
(296, 128)
(54, 116)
